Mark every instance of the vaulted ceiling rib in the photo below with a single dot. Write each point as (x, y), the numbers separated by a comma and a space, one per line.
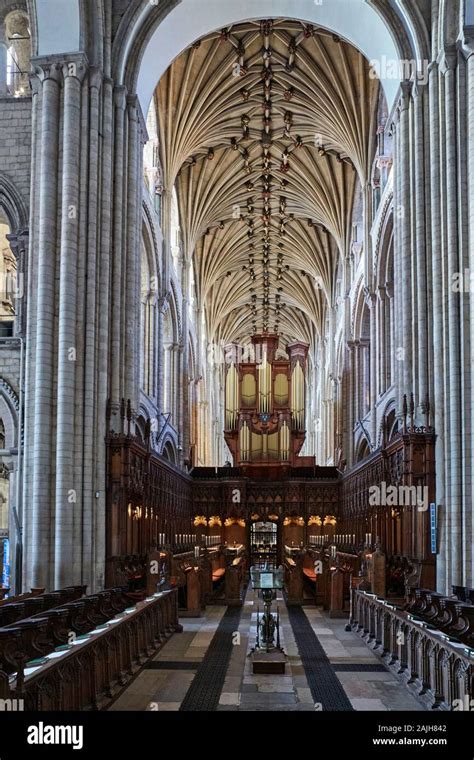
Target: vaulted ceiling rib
(265, 129)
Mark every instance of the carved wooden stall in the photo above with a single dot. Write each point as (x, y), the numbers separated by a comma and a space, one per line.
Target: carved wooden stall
(227, 504)
(152, 504)
(188, 574)
(148, 505)
(386, 500)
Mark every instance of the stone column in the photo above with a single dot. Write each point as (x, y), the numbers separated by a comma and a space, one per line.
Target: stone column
(421, 274)
(371, 301)
(132, 258)
(92, 453)
(470, 154)
(103, 332)
(31, 286)
(68, 510)
(116, 313)
(40, 561)
(405, 237)
(351, 403)
(382, 344)
(437, 316)
(389, 333)
(397, 348)
(184, 431)
(160, 358)
(453, 378)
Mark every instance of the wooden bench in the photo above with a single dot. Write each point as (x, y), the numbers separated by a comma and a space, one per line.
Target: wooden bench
(20, 597)
(139, 575)
(464, 593)
(28, 605)
(38, 635)
(455, 618)
(218, 568)
(293, 580)
(235, 576)
(186, 571)
(88, 675)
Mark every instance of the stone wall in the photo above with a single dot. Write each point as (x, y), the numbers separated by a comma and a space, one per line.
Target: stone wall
(15, 143)
(10, 362)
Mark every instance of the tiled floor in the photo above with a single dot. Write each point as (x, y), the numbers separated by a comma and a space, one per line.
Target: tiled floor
(164, 687)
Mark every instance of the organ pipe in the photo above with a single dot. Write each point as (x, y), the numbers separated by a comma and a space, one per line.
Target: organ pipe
(232, 397)
(264, 385)
(297, 396)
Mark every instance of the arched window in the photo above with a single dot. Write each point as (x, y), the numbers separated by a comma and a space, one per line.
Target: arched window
(363, 450)
(170, 361)
(169, 452)
(391, 425)
(2, 435)
(147, 328)
(15, 44)
(364, 364)
(175, 234)
(8, 281)
(192, 292)
(153, 173)
(386, 318)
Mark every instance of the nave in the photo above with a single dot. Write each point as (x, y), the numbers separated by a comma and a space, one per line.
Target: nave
(345, 675)
(236, 351)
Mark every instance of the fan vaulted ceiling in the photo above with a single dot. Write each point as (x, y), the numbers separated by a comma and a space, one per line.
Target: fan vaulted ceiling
(266, 128)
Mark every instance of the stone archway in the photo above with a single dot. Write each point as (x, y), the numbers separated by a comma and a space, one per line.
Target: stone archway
(120, 91)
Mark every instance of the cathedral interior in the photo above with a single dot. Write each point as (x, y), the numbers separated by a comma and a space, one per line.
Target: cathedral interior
(236, 350)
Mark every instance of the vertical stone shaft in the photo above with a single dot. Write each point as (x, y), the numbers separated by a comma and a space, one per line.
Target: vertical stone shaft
(105, 210)
(91, 339)
(132, 259)
(470, 174)
(41, 560)
(454, 358)
(397, 349)
(421, 391)
(81, 319)
(67, 506)
(31, 287)
(405, 240)
(437, 317)
(115, 316)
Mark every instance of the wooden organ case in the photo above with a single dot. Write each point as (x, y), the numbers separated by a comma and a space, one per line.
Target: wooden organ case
(265, 405)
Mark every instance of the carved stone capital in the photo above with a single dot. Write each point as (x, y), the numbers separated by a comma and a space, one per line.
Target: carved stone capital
(45, 69)
(369, 297)
(18, 243)
(448, 60)
(75, 66)
(120, 97)
(96, 77)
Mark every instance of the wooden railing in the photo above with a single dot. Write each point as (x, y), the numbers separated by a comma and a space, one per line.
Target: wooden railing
(435, 668)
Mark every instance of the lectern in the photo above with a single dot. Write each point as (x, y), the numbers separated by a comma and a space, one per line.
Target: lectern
(267, 656)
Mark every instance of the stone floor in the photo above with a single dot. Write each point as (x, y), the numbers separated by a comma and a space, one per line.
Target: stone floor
(163, 684)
